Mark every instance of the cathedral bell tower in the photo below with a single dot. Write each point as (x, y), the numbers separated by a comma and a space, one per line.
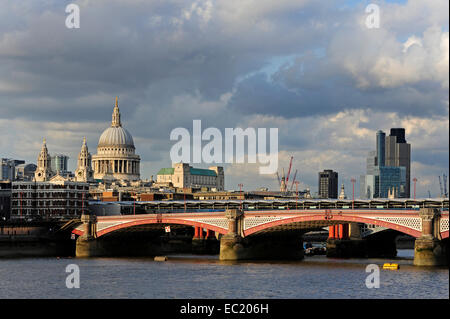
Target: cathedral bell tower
(84, 172)
(43, 171)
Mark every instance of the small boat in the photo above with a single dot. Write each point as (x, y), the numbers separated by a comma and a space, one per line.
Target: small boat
(391, 266)
(160, 258)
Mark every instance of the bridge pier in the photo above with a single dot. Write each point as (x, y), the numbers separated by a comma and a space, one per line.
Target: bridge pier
(344, 241)
(204, 243)
(87, 245)
(265, 246)
(428, 249)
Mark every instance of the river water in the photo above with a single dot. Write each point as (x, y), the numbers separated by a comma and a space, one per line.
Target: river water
(193, 276)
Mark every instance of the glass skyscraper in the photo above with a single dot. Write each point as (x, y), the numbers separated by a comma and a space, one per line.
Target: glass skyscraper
(59, 163)
(391, 179)
(381, 137)
(384, 174)
(398, 154)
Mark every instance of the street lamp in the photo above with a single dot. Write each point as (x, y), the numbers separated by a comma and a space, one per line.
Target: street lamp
(240, 189)
(414, 180)
(353, 192)
(296, 189)
(184, 194)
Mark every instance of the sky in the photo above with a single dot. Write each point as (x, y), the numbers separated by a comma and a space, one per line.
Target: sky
(312, 69)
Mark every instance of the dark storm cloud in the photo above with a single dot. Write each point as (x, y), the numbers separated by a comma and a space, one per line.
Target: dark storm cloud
(128, 48)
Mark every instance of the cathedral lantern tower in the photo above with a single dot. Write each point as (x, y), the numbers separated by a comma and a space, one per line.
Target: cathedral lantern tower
(84, 172)
(43, 171)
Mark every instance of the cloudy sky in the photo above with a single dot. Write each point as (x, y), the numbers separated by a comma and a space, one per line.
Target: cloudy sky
(310, 68)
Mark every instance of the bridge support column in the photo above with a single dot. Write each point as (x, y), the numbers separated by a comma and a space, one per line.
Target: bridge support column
(346, 242)
(265, 246)
(204, 243)
(429, 250)
(331, 233)
(87, 244)
(231, 244)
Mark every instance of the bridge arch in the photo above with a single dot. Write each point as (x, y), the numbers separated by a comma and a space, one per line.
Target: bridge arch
(149, 221)
(336, 219)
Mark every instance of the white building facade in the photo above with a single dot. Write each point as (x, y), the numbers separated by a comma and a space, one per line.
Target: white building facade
(181, 175)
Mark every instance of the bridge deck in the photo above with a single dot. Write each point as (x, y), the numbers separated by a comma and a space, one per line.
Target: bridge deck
(406, 221)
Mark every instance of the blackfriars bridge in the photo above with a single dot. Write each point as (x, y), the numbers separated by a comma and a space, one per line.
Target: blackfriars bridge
(254, 233)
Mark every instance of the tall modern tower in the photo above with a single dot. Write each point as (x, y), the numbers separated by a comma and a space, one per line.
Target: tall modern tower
(328, 184)
(398, 153)
(381, 137)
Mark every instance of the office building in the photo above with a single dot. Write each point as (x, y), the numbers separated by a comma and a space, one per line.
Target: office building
(381, 139)
(328, 184)
(391, 179)
(25, 172)
(398, 153)
(58, 198)
(5, 200)
(59, 164)
(8, 168)
(387, 168)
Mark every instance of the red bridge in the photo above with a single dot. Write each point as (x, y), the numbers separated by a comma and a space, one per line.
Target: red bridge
(405, 221)
(426, 222)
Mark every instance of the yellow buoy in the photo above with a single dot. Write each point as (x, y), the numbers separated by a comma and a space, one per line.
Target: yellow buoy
(391, 266)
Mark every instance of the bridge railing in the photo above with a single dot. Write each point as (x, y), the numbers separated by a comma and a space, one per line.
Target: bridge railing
(221, 206)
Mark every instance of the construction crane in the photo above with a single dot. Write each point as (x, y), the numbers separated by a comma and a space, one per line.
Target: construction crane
(289, 170)
(293, 180)
(445, 186)
(279, 181)
(283, 182)
(440, 186)
(283, 185)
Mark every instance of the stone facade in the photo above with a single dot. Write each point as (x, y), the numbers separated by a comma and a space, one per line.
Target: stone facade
(43, 171)
(84, 172)
(55, 198)
(181, 175)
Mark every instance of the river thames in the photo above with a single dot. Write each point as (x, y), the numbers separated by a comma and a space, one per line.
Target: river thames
(204, 277)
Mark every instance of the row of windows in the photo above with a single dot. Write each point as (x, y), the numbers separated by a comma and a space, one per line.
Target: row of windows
(48, 203)
(50, 187)
(194, 179)
(48, 195)
(46, 212)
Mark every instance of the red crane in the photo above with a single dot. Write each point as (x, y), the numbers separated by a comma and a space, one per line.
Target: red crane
(293, 180)
(289, 171)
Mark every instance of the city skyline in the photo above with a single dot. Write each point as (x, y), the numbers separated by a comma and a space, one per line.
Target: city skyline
(328, 89)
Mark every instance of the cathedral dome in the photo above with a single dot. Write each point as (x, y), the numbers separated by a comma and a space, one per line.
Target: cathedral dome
(116, 136)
